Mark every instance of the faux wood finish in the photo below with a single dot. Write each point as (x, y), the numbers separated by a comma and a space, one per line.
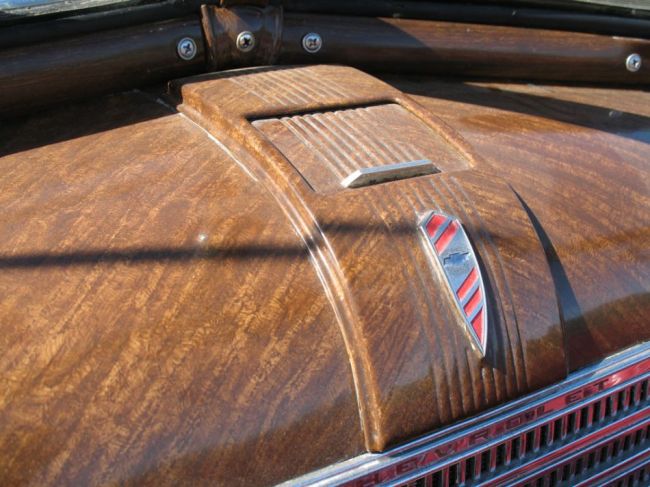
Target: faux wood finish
(579, 159)
(327, 147)
(412, 360)
(178, 305)
(449, 48)
(161, 320)
(222, 26)
(34, 76)
(44, 74)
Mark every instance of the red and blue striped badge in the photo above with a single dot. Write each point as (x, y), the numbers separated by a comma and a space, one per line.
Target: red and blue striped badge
(454, 253)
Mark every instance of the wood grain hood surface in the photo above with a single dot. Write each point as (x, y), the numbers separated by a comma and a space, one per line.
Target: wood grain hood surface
(178, 304)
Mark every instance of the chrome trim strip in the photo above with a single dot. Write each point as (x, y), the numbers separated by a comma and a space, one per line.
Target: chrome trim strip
(430, 452)
(539, 463)
(389, 172)
(619, 470)
(533, 469)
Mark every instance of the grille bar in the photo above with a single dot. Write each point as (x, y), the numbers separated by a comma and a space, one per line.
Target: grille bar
(529, 436)
(553, 455)
(633, 471)
(542, 444)
(585, 457)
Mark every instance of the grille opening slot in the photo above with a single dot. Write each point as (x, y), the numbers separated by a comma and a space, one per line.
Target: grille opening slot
(621, 400)
(608, 407)
(626, 443)
(604, 456)
(638, 393)
(615, 448)
(543, 435)
(591, 460)
(571, 423)
(453, 475)
(485, 461)
(596, 415)
(470, 468)
(578, 467)
(530, 441)
(557, 430)
(501, 455)
(566, 473)
(515, 449)
(436, 479)
(584, 417)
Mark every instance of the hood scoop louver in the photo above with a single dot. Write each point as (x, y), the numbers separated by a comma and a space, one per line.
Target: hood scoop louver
(362, 146)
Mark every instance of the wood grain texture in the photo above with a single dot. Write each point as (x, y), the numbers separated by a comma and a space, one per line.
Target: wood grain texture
(411, 359)
(45, 74)
(422, 46)
(109, 60)
(161, 321)
(326, 147)
(179, 306)
(453, 48)
(578, 158)
(222, 26)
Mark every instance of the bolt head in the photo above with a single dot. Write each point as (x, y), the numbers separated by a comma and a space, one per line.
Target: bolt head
(245, 41)
(186, 49)
(633, 62)
(312, 43)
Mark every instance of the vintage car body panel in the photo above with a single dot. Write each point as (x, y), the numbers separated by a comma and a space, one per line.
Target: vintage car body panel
(161, 320)
(187, 300)
(578, 157)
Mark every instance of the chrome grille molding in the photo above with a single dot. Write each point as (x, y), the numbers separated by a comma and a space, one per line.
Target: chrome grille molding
(592, 427)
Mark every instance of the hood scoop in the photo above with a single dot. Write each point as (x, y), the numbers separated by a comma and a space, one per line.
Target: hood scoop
(362, 146)
(438, 280)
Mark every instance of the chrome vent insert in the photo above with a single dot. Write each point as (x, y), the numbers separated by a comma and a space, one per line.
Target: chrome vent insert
(592, 427)
(368, 176)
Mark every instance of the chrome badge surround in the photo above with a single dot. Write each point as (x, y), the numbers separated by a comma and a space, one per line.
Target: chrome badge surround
(455, 258)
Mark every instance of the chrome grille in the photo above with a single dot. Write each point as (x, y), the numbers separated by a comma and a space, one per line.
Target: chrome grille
(594, 426)
(558, 435)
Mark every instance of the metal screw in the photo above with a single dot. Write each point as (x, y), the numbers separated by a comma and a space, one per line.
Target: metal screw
(633, 63)
(245, 41)
(312, 43)
(186, 48)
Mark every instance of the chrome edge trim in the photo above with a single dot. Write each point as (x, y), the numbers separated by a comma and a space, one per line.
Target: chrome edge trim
(615, 472)
(582, 386)
(389, 172)
(527, 472)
